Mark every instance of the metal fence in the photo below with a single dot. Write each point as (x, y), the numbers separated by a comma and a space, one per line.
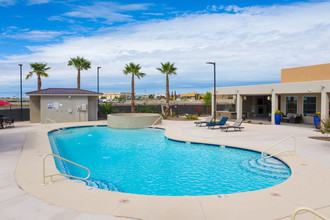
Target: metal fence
(16, 114)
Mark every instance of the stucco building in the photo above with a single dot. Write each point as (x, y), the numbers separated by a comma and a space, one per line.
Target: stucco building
(303, 91)
(63, 105)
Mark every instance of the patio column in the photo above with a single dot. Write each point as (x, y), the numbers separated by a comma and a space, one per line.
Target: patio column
(324, 104)
(239, 106)
(274, 106)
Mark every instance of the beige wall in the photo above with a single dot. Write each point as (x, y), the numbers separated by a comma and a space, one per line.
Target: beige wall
(92, 108)
(306, 73)
(62, 113)
(35, 109)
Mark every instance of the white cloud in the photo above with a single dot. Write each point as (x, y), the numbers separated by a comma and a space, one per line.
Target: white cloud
(5, 3)
(27, 34)
(249, 46)
(110, 11)
(37, 2)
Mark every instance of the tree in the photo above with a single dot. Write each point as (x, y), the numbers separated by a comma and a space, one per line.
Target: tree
(40, 70)
(167, 69)
(80, 64)
(208, 100)
(135, 71)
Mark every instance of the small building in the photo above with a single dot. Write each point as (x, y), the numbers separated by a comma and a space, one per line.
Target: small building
(63, 105)
(113, 95)
(302, 91)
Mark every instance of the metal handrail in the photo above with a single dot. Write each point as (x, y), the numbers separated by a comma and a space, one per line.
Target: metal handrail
(60, 174)
(293, 216)
(263, 154)
(160, 117)
(53, 121)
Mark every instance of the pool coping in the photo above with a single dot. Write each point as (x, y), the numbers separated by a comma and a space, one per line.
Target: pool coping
(305, 187)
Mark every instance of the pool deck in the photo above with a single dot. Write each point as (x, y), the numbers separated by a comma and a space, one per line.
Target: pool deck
(23, 196)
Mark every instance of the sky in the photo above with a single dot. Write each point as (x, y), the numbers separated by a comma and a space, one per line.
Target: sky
(250, 41)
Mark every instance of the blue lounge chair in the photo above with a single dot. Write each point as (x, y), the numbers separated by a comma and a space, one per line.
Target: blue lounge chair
(220, 123)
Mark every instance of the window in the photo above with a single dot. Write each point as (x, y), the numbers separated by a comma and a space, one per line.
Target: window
(291, 104)
(309, 106)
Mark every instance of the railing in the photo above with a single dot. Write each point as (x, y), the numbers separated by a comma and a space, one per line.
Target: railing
(160, 117)
(60, 174)
(52, 121)
(293, 216)
(264, 155)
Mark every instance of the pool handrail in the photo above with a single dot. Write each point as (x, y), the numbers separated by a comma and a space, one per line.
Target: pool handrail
(264, 155)
(293, 216)
(51, 120)
(156, 121)
(60, 174)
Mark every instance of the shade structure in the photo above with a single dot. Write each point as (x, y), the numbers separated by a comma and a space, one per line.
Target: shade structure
(4, 103)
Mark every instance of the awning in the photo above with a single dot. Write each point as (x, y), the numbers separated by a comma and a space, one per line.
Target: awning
(5, 103)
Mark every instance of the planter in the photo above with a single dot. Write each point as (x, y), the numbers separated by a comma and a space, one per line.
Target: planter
(317, 121)
(277, 119)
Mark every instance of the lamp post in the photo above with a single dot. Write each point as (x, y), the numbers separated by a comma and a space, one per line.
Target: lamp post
(214, 93)
(98, 79)
(20, 67)
(98, 90)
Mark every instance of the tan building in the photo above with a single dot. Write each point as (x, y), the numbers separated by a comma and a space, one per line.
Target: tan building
(303, 91)
(63, 105)
(113, 95)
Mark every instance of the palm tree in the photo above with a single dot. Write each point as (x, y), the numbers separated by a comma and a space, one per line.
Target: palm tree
(135, 71)
(40, 70)
(167, 69)
(80, 64)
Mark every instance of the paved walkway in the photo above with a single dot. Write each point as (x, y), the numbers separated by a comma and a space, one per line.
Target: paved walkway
(14, 202)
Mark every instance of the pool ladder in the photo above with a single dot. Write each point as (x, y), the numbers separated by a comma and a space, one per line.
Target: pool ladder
(292, 152)
(60, 174)
(52, 121)
(153, 124)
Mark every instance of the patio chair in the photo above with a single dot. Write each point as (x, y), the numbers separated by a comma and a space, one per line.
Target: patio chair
(220, 123)
(236, 126)
(10, 123)
(200, 123)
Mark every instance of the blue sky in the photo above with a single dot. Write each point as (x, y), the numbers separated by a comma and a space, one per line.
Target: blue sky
(251, 41)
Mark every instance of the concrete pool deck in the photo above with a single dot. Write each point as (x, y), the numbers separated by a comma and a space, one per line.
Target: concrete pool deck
(308, 186)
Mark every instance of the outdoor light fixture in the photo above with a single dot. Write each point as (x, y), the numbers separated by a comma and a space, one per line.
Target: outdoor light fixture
(20, 67)
(214, 92)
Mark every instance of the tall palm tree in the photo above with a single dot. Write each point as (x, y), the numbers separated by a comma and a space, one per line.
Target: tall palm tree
(167, 69)
(40, 70)
(135, 71)
(80, 64)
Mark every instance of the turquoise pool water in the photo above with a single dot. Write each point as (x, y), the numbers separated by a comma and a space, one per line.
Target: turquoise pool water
(145, 162)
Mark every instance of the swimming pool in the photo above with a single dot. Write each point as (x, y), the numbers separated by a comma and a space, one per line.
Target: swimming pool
(145, 162)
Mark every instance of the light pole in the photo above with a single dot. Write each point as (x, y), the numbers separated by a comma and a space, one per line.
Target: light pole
(98, 90)
(214, 93)
(98, 79)
(20, 67)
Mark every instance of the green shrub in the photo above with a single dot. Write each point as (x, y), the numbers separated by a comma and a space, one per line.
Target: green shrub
(325, 126)
(164, 116)
(106, 109)
(249, 121)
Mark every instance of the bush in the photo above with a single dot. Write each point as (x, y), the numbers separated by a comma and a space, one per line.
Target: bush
(325, 126)
(193, 117)
(174, 114)
(198, 110)
(106, 109)
(146, 109)
(164, 116)
(249, 121)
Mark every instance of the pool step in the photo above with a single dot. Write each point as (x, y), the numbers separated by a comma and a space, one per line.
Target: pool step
(269, 167)
(100, 184)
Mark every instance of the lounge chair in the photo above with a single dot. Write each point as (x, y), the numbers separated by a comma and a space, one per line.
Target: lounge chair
(200, 123)
(220, 123)
(236, 126)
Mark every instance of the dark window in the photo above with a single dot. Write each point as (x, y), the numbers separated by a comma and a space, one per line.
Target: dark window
(291, 104)
(309, 106)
